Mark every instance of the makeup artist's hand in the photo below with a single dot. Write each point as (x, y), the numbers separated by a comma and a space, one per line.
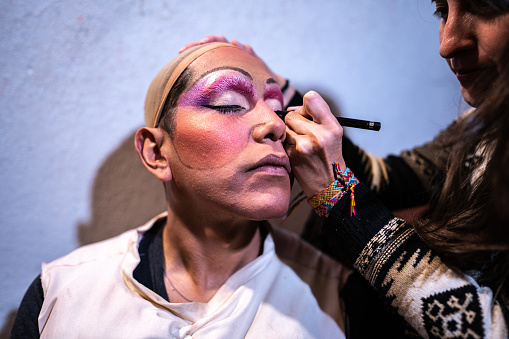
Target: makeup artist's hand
(206, 40)
(313, 145)
(280, 80)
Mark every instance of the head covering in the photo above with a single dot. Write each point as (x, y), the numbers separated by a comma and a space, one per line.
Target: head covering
(165, 79)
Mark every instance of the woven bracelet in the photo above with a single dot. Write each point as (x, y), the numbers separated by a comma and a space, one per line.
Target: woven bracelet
(324, 201)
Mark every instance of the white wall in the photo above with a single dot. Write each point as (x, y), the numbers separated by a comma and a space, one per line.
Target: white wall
(74, 75)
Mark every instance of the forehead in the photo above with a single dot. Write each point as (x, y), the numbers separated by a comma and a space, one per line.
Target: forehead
(229, 57)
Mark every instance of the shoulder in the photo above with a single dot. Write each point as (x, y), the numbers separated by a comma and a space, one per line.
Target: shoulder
(93, 252)
(98, 257)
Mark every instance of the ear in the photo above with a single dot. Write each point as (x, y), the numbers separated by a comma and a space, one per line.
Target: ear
(148, 143)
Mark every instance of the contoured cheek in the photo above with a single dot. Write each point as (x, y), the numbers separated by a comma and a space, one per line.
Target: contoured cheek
(206, 138)
(206, 143)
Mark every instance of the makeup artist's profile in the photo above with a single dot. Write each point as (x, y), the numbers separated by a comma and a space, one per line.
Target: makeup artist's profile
(211, 266)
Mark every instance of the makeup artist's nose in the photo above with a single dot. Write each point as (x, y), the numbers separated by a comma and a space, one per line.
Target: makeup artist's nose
(269, 125)
(457, 34)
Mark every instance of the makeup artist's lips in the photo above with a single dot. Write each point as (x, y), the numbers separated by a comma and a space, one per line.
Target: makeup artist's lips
(272, 164)
(468, 76)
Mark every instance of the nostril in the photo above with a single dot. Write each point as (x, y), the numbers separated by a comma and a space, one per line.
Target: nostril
(271, 136)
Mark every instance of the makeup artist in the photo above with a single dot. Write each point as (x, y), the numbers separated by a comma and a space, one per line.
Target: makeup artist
(447, 274)
(211, 266)
(461, 178)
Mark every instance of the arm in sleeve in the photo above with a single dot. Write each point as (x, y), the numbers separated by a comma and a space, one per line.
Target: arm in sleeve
(436, 300)
(26, 322)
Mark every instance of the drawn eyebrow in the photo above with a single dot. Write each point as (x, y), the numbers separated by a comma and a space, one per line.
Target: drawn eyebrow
(240, 70)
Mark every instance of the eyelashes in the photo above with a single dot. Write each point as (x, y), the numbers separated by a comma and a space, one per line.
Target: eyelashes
(440, 13)
(225, 109)
(441, 9)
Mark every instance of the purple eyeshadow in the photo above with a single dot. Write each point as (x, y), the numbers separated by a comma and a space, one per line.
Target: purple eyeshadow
(202, 93)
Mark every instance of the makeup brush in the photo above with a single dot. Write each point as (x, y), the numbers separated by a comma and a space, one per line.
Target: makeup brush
(347, 122)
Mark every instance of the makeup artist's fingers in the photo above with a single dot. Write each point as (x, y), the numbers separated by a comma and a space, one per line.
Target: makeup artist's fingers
(317, 108)
(207, 39)
(245, 47)
(312, 159)
(318, 141)
(315, 111)
(313, 143)
(311, 164)
(219, 38)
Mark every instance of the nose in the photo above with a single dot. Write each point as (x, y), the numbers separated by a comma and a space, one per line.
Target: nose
(456, 34)
(269, 125)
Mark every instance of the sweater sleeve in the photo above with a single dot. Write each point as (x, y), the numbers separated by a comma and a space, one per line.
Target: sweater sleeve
(26, 324)
(436, 300)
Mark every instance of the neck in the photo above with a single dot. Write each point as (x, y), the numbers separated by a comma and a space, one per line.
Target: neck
(200, 257)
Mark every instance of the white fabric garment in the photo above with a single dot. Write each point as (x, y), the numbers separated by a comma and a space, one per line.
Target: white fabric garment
(91, 293)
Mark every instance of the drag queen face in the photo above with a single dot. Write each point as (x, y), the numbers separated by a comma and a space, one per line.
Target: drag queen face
(226, 149)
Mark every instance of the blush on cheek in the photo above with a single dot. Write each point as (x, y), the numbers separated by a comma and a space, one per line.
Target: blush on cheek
(203, 144)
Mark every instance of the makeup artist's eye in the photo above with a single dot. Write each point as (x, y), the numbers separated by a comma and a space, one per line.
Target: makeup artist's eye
(225, 109)
(441, 9)
(441, 12)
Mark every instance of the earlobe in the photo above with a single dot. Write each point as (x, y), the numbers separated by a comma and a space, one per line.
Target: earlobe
(148, 143)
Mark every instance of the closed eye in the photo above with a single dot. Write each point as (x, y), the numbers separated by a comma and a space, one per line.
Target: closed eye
(225, 109)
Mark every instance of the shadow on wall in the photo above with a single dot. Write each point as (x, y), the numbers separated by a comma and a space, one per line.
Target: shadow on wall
(125, 195)
(5, 331)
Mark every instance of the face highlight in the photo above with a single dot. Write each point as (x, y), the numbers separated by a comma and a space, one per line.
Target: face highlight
(225, 130)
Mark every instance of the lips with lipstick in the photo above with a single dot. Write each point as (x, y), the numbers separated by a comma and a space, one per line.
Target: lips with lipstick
(272, 164)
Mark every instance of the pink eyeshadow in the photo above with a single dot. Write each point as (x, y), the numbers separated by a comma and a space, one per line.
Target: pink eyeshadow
(203, 92)
(273, 92)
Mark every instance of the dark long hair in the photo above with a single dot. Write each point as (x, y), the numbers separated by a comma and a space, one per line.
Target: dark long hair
(468, 221)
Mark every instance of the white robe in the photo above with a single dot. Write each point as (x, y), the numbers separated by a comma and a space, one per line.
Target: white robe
(91, 293)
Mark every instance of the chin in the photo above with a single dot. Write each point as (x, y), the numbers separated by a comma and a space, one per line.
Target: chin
(474, 97)
(469, 100)
(270, 213)
(269, 209)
